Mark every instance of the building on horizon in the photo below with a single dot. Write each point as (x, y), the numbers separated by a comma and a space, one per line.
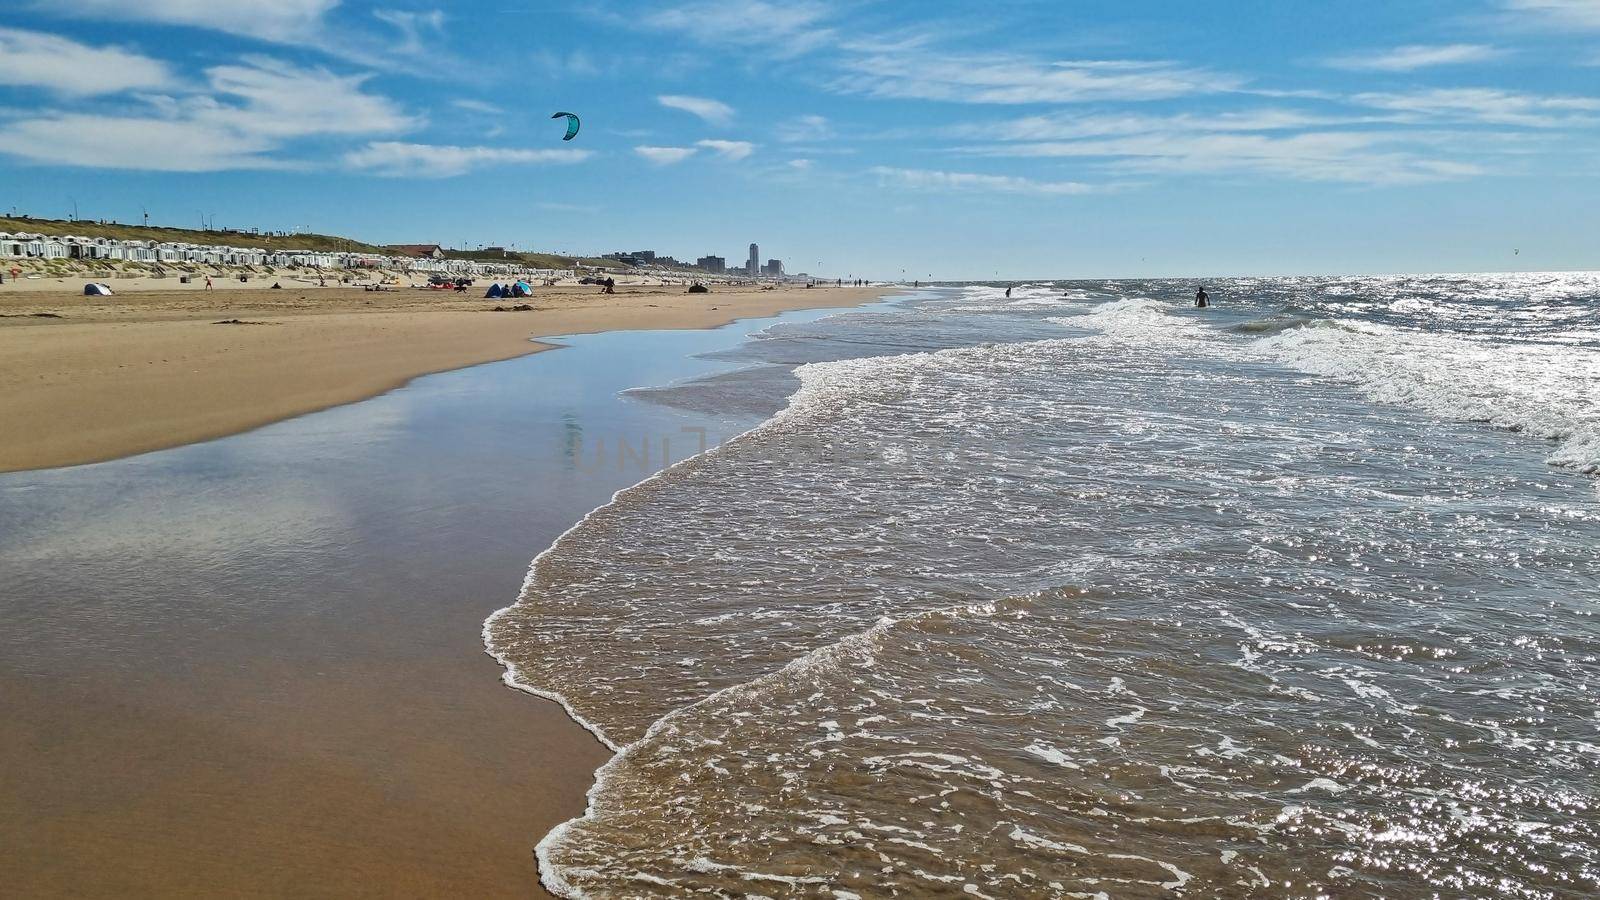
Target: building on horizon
(716, 265)
(774, 268)
(752, 266)
(418, 251)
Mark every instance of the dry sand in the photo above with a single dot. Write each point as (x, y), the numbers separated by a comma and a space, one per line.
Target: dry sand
(141, 371)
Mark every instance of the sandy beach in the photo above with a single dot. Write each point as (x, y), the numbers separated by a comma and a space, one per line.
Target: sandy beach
(86, 379)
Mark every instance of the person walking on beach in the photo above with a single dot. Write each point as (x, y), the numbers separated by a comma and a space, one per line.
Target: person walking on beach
(1201, 298)
(208, 283)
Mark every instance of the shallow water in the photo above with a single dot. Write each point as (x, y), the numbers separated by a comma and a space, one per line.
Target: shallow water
(1083, 591)
(251, 667)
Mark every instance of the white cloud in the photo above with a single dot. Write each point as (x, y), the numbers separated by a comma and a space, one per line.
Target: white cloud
(800, 164)
(1411, 57)
(252, 109)
(398, 160)
(784, 29)
(730, 150)
(131, 142)
(665, 156)
(287, 101)
(271, 20)
(477, 106)
(805, 129)
(1001, 79)
(1348, 156)
(931, 180)
(1073, 126)
(714, 112)
(417, 29)
(1559, 13)
(38, 59)
(1487, 105)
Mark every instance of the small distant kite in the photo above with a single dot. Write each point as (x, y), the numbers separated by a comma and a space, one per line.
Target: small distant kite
(572, 124)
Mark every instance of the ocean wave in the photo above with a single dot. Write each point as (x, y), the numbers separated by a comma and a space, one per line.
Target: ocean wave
(1543, 390)
(1272, 324)
(815, 663)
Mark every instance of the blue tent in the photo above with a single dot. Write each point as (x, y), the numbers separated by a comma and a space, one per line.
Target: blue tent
(495, 292)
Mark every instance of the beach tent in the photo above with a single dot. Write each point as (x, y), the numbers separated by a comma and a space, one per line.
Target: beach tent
(524, 289)
(93, 289)
(495, 292)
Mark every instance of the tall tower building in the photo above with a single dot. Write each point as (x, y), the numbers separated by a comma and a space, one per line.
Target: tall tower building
(753, 266)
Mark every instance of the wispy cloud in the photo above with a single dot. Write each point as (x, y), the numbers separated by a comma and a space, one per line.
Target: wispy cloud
(665, 156)
(477, 106)
(1370, 158)
(278, 98)
(1000, 79)
(134, 142)
(1064, 126)
(781, 29)
(39, 59)
(1412, 57)
(933, 180)
(1487, 106)
(805, 129)
(302, 24)
(729, 150)
(417, 30)
(800, 165)
(714, 112)
(1559, 13)
(401, 160)
(250, 109)
(271, 20)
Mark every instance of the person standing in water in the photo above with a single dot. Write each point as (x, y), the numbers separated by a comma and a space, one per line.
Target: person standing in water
(1201, 298)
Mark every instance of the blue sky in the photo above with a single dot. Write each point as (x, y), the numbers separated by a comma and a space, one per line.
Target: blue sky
(952, 140)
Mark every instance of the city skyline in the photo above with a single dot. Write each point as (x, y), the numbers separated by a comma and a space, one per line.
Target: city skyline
(1104, 140)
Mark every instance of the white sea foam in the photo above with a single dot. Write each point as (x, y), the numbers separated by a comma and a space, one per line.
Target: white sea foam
(1543, 390)
(1054, 466)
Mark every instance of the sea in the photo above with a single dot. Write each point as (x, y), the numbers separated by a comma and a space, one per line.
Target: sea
(1079, 591)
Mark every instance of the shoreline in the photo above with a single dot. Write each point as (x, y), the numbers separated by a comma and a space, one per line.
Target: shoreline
(246, 727)
(133, 373)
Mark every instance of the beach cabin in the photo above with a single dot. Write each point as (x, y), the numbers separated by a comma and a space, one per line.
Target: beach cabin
(419, 251)
(50, 248)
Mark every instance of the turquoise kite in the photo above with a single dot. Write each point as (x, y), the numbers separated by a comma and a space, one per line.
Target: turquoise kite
(572, 124)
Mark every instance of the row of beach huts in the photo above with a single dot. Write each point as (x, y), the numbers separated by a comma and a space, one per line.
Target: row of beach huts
(71, 247)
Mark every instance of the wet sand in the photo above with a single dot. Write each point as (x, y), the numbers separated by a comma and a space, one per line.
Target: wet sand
(87, 379)
(251, 667)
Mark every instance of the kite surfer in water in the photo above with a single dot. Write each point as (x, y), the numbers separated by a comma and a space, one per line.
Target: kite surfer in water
(1201, 298)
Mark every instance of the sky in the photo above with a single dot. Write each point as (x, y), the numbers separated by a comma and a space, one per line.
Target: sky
(942, 140)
